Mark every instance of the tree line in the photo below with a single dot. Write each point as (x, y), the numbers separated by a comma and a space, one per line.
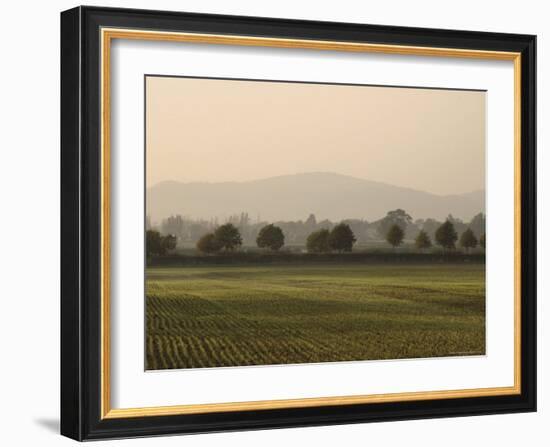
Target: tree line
(445, 236)
(188, 231)
(341, 238)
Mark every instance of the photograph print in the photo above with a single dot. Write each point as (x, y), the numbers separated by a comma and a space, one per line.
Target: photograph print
(294, 222)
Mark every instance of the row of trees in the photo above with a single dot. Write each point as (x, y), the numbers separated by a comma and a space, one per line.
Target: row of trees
(340, 238)
(446, 236)
(228, 238)
(188, 231)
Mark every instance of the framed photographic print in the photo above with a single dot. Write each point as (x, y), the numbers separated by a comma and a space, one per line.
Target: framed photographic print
(277, 223)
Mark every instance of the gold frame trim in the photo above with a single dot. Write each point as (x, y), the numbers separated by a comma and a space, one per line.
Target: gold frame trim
(107, 35)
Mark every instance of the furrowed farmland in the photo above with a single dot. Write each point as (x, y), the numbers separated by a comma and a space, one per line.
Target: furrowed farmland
(237, 315)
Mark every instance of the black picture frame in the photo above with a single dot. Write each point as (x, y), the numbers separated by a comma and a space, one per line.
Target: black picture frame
(81, 223)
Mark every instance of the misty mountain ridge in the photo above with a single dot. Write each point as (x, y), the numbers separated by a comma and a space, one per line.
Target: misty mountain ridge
(293, 197)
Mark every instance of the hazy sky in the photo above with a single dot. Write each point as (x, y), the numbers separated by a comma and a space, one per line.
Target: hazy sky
(218, 130)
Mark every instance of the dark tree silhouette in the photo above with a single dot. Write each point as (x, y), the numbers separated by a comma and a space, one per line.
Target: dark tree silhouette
(168, 242)
(271, 237)
(341, 238)
(458, 224)
(153, 243)
(228, 237)
(317, 242)
(208, 244)
(158, 245)
(395, 235)
(468, 240)
(395, 217)
(422, 241)
(482, 241)
(446, 235)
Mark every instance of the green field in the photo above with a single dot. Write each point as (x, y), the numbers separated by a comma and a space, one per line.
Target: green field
(212, 316)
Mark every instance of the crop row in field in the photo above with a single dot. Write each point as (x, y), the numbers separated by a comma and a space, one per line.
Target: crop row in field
(256, 315)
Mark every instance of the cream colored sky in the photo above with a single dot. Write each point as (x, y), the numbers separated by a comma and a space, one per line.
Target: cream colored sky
(221, 130)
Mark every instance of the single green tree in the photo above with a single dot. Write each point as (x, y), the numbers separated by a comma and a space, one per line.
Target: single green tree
(423, 241)
(482, 241)
(317, 242)
(395, 235)
(446, 235)
(228, 237)
(271, 237)
(341, 238)
(208, 244)
(468, 240)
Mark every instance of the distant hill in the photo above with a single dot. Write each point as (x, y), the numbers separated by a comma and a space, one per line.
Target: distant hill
(294, 197)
